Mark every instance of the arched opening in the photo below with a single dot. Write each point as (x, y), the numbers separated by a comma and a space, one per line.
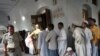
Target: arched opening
(43, 16)
(86, 11)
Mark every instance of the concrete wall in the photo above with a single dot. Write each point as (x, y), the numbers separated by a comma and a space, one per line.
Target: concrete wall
(72, 12)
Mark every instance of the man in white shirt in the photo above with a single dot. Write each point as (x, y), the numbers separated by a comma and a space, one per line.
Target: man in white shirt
(79, 36)
(89, 37)
(51, 40)
(42, 45)
(62, 39)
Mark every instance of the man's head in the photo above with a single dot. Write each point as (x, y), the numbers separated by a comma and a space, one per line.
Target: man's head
(91, 21)
(50, 27)
(84, 24)
(36, 26)
(60, 25)
(42, 27)
(10, 29)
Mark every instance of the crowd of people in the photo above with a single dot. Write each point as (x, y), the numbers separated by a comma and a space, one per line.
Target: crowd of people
(80, 40)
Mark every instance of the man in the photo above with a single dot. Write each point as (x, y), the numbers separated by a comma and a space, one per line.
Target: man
(34, 36)
(42, 45)
(12, 42)
(51, 40)
(62, 39)
(79, 36)
(88, 37)
(96, 35)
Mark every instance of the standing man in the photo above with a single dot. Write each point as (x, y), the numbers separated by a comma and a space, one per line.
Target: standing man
(62, 39)
(34, 37)
(12, 42)
(79, 36)
(42, 45)
(51, 40)
(88, 38)
(96, 35)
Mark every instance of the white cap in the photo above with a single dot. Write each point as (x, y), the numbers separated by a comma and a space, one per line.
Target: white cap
(85, 21)
(69, 49)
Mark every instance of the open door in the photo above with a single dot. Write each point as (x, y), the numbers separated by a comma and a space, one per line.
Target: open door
(43, 19)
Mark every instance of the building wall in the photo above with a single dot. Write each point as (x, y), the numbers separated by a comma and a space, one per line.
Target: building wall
(3, 19)
(72, 10)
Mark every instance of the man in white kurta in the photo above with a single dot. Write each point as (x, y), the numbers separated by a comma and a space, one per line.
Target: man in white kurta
(89, 37)
(79, 36)
(42, 45)
(62, 39)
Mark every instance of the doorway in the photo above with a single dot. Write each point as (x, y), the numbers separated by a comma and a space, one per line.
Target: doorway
(99, 18)
(42, 19)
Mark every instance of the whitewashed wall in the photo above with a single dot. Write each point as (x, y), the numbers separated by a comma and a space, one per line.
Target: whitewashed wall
(3, 19)
(71, 8)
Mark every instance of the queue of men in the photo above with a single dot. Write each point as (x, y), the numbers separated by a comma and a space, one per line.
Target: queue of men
(49, 43)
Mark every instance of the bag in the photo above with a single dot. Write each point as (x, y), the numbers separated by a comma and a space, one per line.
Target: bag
(11, 49)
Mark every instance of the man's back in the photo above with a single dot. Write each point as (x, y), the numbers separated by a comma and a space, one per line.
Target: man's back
(52, 40)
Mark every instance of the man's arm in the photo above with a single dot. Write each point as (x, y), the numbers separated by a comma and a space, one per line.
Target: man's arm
(5, 49)
(49, 35)
(5, 45)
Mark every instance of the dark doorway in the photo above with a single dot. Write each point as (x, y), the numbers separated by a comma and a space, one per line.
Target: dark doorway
(94, 2)
(43, 18)
(99, 18)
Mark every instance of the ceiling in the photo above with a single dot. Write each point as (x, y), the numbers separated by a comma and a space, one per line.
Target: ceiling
(7, 5)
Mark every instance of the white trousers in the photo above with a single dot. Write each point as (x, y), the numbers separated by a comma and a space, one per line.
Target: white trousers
(62, 45)
(80, 49)
(89, 49)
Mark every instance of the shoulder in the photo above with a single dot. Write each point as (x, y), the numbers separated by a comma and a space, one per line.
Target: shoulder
(6, 34)
(77, 29)
(53, 32)
(87, 29)
(17, 33)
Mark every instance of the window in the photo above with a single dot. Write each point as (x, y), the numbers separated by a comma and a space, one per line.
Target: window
(94, 2)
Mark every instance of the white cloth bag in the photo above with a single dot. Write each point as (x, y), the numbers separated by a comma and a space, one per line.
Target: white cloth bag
(29, 44)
